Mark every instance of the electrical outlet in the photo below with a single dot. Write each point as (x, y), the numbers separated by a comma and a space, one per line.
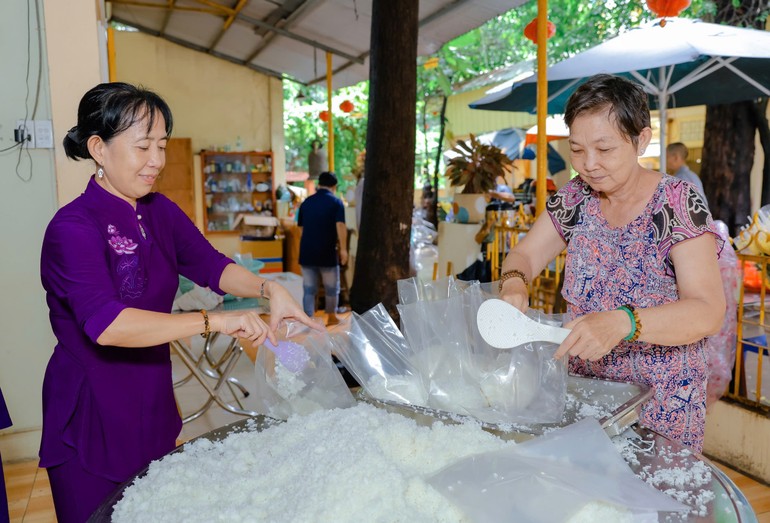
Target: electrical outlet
(43, 134)
(29, 132)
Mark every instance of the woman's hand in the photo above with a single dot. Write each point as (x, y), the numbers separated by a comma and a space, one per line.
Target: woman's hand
(515, 292)
(283, 307)
(245, 323)
(594, 335)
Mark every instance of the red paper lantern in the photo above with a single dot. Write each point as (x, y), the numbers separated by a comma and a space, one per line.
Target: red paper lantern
(667, 8)
(324, 116)
(531, 30)
(347, 106)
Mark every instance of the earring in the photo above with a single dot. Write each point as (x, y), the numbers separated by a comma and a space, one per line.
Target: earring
(100, 173)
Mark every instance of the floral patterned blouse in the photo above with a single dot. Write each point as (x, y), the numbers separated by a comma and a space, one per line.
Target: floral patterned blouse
(607, 267)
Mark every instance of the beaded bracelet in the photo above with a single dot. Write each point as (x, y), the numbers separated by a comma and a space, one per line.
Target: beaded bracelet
(206, 326)
(515, 273)
(636, 323)
(262, 290)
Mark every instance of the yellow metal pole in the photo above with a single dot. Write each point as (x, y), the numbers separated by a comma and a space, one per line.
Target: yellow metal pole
(330, 123)
(542, 105)
(111, 70)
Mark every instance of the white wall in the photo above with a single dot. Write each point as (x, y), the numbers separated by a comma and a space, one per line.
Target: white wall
(214, 102)
(72, 61)
(64, 47)
(28, 202)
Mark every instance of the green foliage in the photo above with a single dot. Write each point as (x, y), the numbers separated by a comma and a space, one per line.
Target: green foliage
(580, 24)
(476, 166)
(302, 125)
(500, 42)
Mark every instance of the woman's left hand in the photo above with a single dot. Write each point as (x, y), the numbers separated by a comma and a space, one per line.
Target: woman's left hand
(284, 307)
(594, 335)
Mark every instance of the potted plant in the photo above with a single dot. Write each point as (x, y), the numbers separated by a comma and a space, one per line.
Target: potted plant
(475, 167)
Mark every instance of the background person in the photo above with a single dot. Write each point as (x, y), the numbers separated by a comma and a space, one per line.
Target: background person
(676, 164)
(642, 284)
(322, 222)
(110, 266)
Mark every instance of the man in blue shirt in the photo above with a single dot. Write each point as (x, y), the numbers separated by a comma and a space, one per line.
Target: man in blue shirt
(676, 164)
(322, 222)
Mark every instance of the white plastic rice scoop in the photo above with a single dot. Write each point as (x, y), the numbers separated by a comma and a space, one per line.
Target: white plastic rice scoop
(291, 355)
(504, 326)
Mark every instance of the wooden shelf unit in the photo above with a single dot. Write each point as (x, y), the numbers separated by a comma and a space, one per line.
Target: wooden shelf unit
(235, 183)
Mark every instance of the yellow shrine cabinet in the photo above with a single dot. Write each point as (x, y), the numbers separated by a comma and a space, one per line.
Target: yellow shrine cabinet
(269, 252)
(236, 184)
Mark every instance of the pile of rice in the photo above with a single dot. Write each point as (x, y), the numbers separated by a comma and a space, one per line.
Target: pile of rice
(343, 465)
(357, 464)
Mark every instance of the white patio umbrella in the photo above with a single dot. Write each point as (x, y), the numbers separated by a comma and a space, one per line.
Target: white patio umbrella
(686, 62)
(555, 129)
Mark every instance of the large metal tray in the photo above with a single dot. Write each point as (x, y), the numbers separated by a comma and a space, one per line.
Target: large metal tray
(620, 400)
(729, 505)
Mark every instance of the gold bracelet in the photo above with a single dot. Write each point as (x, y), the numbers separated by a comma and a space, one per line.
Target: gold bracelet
(515, 273)
(206, 326)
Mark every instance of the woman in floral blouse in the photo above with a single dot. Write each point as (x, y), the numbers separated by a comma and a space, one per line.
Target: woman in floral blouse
(641, 282)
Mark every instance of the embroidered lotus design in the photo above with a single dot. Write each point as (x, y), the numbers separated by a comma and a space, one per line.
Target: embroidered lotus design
(111, 229)
(123, 245)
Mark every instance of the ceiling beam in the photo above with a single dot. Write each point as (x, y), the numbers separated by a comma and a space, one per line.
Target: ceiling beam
(284, 22)
(440, 13)
(139, 3)
(228, 22)
(202, 49)
(167, 17)
(363, 56)
(307, 41)
(238, 7)
(216, 5)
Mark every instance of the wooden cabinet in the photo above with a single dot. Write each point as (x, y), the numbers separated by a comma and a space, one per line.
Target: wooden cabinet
(234, 184)
(176, 179)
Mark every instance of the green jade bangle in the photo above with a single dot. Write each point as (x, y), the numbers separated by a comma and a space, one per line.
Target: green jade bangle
(633, 322)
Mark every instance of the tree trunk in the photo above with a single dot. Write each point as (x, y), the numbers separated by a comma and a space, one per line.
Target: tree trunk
(728, 155)
(441, 132)
(383, 249)
(728, 141)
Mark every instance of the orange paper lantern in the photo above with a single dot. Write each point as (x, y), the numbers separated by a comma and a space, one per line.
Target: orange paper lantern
(667, 8)
(531, 30)
(324, 116)
(347, 106)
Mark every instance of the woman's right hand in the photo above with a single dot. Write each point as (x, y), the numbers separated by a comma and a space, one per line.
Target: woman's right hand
(245, 323)
(515, 292)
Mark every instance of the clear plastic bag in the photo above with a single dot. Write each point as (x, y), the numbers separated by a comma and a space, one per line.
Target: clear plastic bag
(317, 385)
(550, 478)
(720, 348)
(373, 349)
(465, 375)
(414, 289)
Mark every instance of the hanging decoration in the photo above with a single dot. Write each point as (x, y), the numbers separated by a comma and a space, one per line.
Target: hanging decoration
(324, 116)
(531, 30)
(667, 8)
(347, 106)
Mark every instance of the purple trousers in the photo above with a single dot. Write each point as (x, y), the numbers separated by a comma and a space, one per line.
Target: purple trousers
(4, 517)
(76, 492)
